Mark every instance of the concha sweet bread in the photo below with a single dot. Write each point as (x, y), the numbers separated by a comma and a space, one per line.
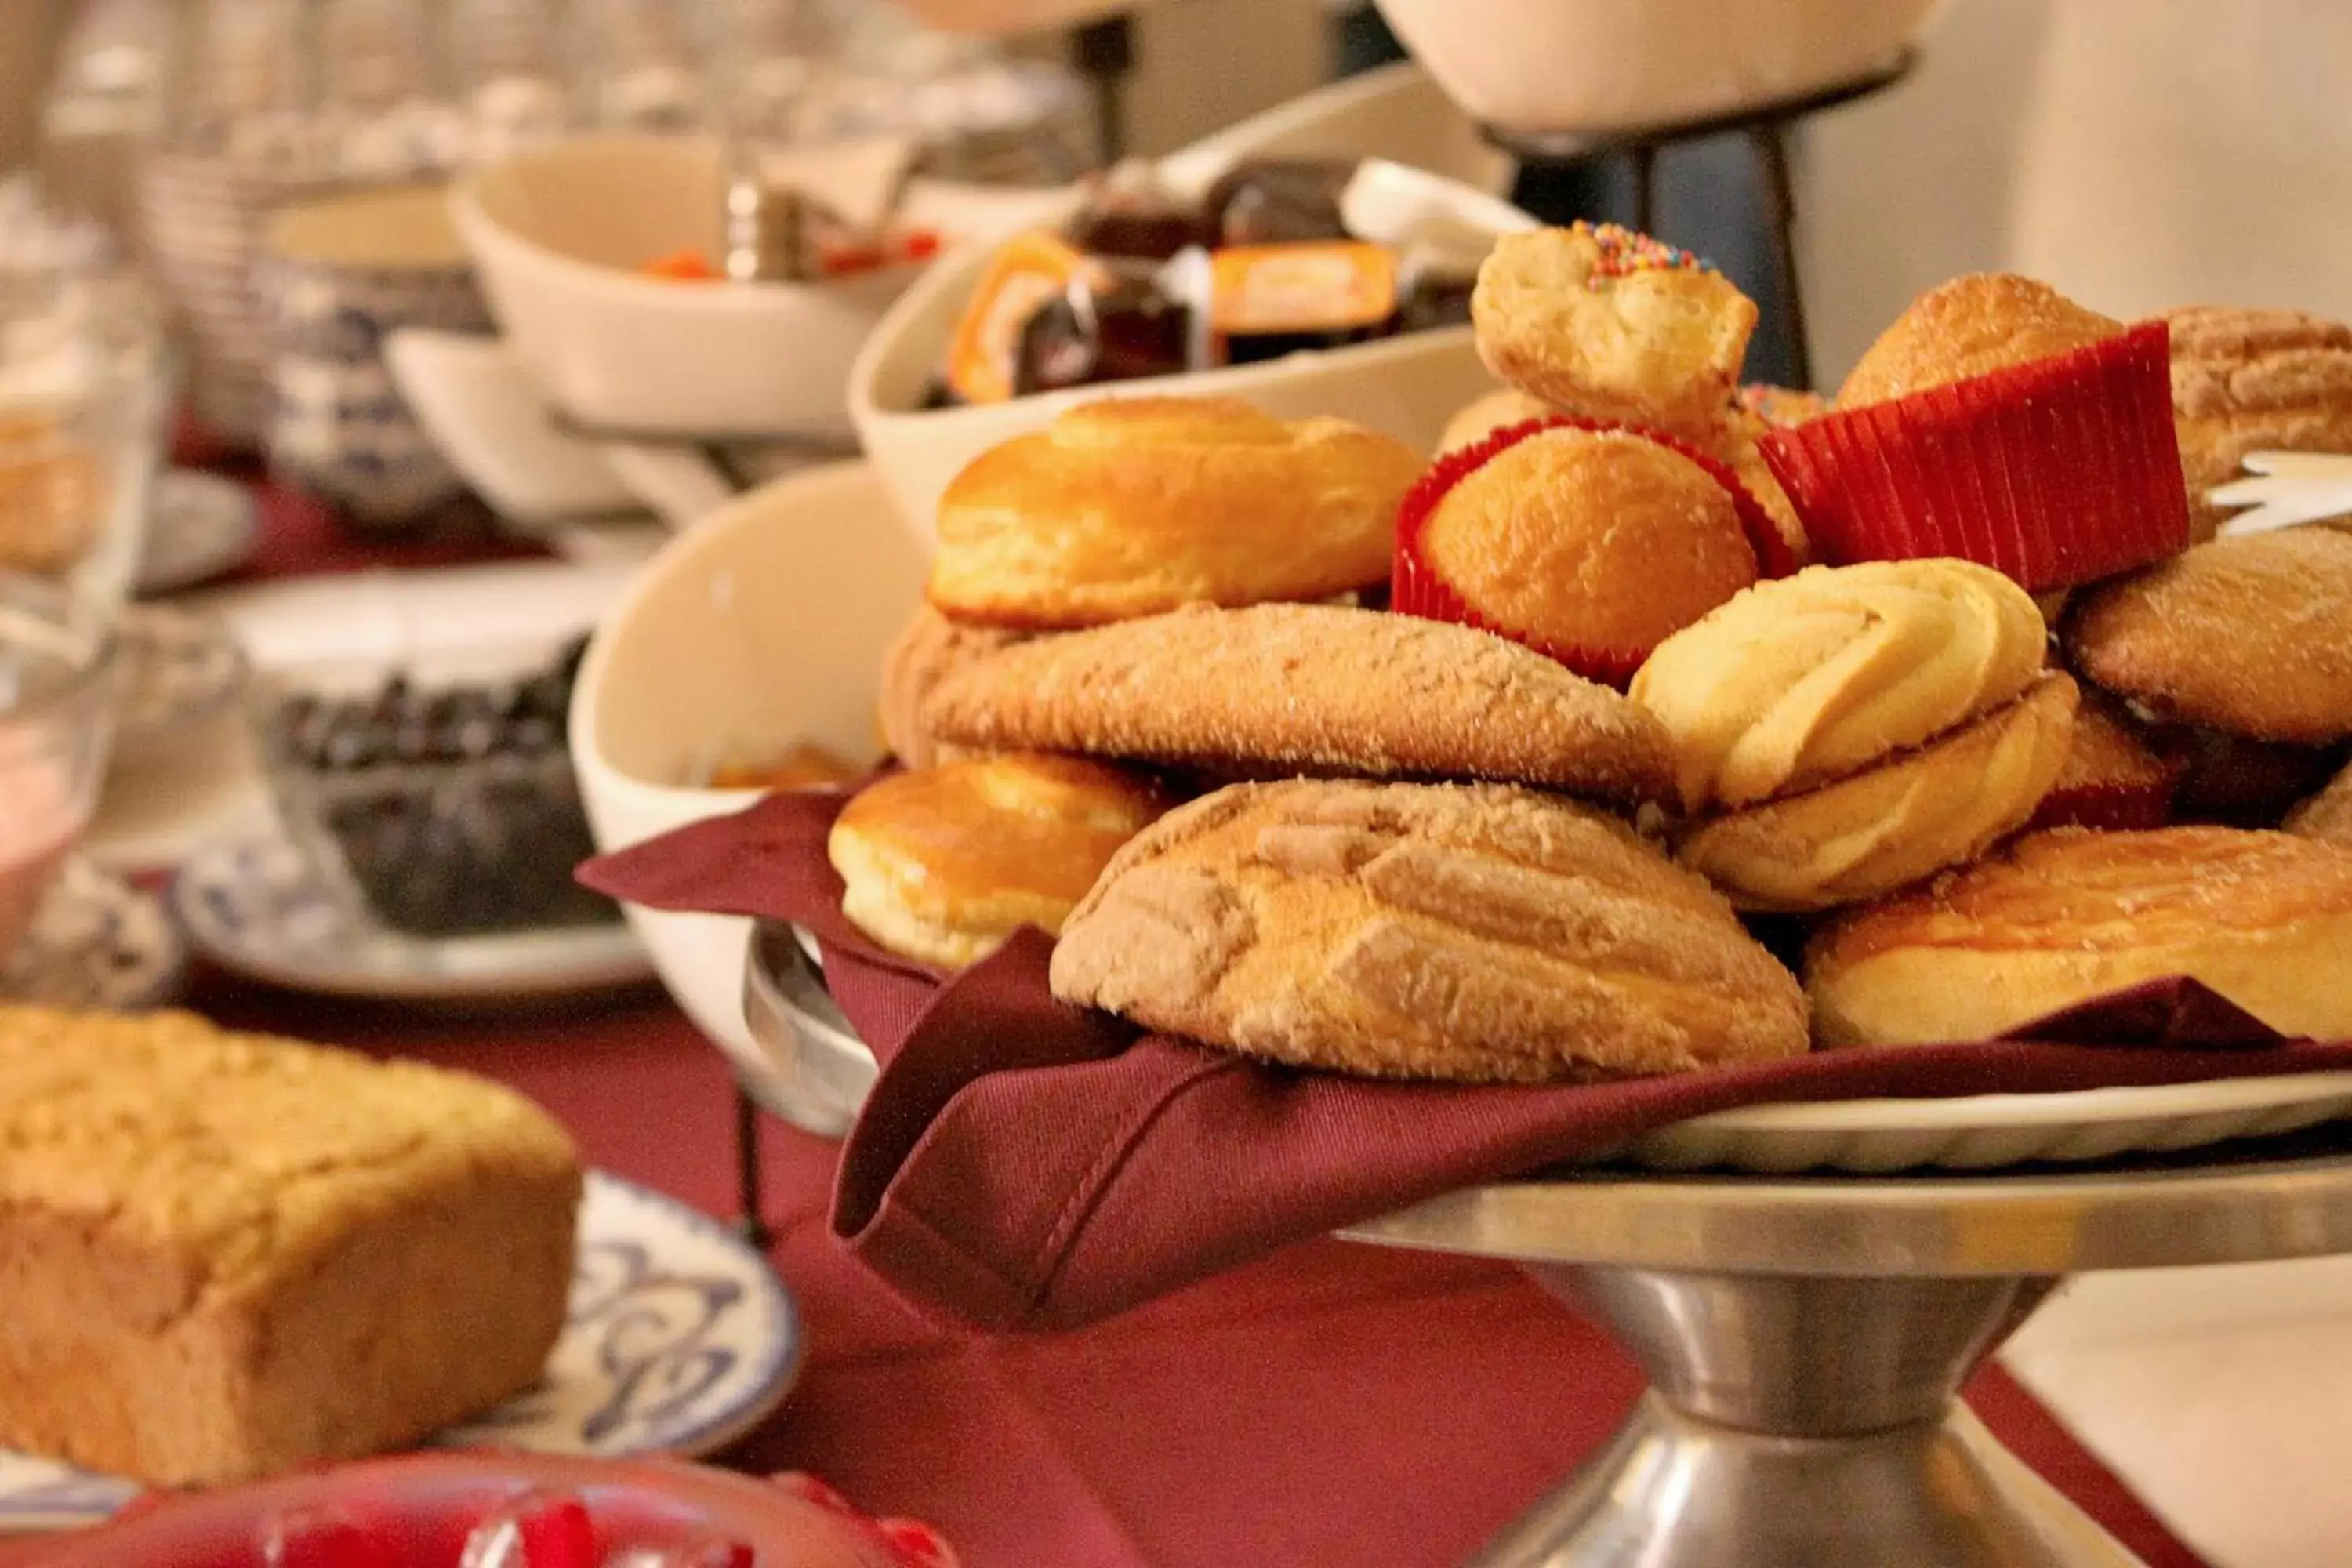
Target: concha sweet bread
(1797, 682)
(2250, 634)
(2250, 381)
(931, 649)
(1474, 933)
(1135, 506)
(942, 864)
(2068, 916)
(1604, 323)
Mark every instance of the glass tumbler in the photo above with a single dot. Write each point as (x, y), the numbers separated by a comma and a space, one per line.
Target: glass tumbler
(57, 723)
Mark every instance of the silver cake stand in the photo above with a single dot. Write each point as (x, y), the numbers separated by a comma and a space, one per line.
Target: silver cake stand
(1806, 1339)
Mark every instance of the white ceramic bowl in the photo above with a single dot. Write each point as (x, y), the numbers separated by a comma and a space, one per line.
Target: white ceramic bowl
(558, 233)
(762, 627)
(1596, 66)
(1407, 387)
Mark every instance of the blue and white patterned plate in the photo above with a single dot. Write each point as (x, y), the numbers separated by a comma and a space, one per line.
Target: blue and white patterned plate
(96, 942)
(681, 1340)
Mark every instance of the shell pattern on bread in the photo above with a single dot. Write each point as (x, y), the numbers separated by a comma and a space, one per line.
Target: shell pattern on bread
(1471, 933)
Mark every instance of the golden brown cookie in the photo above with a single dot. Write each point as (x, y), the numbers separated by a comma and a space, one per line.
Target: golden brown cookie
(1969, 327)
(927, 651)
(1943, 804)
(2065, 916)
(1601, 322)
(1471, 933)
(2252, 381)
(940, 865)
(1309, 688)
(1133, 506)
(2250, 635)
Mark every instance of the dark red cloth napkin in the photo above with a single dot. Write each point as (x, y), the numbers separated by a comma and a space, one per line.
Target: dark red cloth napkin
(1026, 1165)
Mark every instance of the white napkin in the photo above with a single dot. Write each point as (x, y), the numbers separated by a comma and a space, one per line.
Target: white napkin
(2220, 1395)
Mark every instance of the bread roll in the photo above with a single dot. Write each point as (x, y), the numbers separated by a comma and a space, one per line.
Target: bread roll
(1970, 326)
(2252, 634)
(1943, 804)
(1477, 933)
(2068, 916)
(942, 864)
(1610, 324)
(1815, 676)
(224, 1255)
(2250, 381)
(1136, 506)
(1289, 688)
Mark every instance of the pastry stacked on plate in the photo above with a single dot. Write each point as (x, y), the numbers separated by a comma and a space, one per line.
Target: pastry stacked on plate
(1507, 766)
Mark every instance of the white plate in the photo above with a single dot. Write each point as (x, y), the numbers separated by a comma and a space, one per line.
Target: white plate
(1984, 1131)
(259, 909)
(199, 526)
(96, 943)
(681, 1340)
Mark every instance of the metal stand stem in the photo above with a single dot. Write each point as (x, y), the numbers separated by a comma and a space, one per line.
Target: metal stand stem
(1799, 1421)
(750, 1190)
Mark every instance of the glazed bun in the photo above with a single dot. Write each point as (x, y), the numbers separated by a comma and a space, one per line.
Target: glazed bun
(1969, 327)
(1610, 324)
(1473, 933)
(1813, 677)
(2250, 635)
(940, 865)
(1594, 546)
(2251, 381)
(1136, 506)
(1942, 804)
(2065, 916)
(1497, 410)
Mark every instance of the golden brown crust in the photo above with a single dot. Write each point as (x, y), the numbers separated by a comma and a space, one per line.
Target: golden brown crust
(2250, 381)
(1604, 540)
(940, 865)
(1815, 676)
(1309, 689)
(1781, 407)
(2067, 916)
(1943, 804)
(927, 651)
(228, 1256)
(1740, 447)
(1477, 933)
(1970, 326)
(2110, 753)
(2252, 634)
(1504, 407)
(1134, 506)
(1658, 346)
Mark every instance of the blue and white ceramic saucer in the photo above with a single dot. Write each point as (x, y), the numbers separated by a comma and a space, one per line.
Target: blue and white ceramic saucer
(681, 1340)
(96, 943)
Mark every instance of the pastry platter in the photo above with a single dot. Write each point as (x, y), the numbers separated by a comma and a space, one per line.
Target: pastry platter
(680, 1340)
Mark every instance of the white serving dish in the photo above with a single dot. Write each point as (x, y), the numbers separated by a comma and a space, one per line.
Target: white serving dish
(489, 419)
(762, 627)
(1408, 386)
(559, 232)
(1596, 66)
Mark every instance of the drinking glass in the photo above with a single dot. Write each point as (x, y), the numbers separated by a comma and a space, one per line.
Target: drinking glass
(57, 724)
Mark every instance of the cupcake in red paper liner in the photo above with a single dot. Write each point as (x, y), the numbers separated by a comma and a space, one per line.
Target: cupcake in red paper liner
(2116, 777)
(1588, 541)
(1999, 423)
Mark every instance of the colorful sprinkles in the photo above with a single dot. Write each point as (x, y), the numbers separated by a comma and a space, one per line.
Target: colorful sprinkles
(1624, 252)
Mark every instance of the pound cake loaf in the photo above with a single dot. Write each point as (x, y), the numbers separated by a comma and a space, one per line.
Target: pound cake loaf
(222, 1256)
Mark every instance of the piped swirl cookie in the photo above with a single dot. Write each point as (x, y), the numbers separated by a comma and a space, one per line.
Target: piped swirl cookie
(1474, 933)
(1849, 730)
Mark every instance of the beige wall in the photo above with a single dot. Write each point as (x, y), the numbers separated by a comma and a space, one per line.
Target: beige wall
(1203, 64)
(29, 32)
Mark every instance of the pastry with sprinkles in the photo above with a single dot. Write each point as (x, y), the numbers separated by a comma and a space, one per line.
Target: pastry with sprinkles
(1599, 321)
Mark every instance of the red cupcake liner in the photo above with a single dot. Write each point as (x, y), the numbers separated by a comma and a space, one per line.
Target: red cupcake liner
(2056, 472)
(1418, 588)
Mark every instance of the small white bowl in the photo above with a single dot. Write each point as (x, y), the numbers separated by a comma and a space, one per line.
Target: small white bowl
(1407, 387)
(763, 627)
(560, 233)
(489, 419)
(1597, 66)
